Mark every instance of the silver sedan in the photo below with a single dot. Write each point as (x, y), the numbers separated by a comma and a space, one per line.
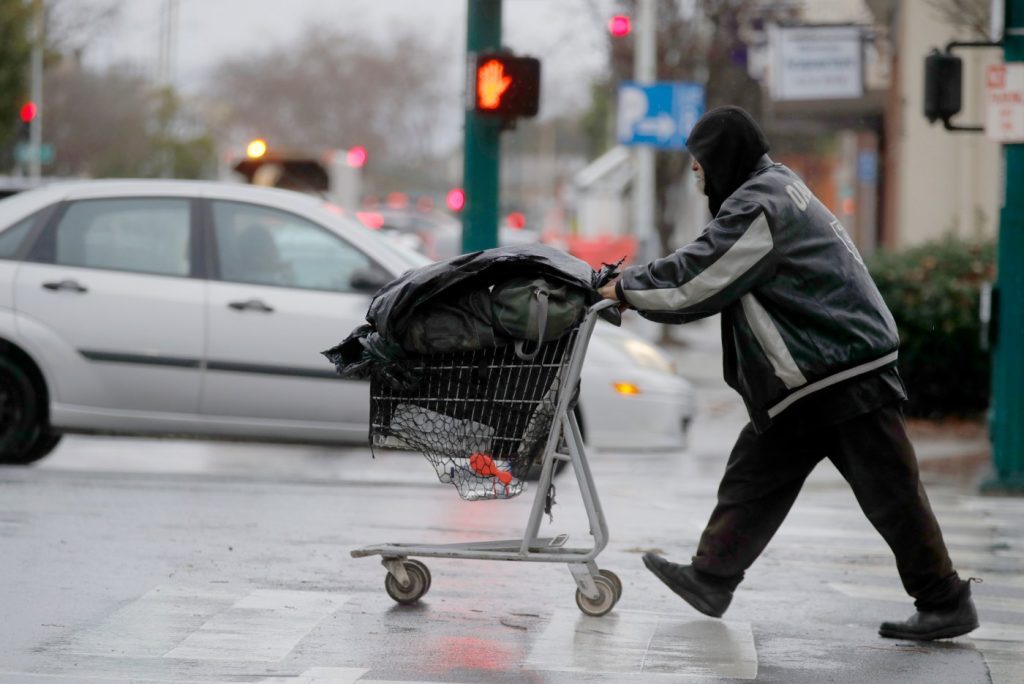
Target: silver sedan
(200, 308)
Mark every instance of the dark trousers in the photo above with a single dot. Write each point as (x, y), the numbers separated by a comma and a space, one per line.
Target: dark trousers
(874, 455)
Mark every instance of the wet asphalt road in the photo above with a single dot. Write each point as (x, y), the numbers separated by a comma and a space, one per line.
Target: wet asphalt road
(126, 560)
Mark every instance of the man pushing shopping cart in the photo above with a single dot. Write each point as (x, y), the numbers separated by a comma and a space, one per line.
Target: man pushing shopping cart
(812, 348)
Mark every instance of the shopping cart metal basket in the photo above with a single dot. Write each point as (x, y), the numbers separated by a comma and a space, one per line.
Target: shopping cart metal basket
(484, 419)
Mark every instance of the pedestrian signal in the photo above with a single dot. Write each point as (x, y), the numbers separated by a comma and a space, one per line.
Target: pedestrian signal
(507, 86)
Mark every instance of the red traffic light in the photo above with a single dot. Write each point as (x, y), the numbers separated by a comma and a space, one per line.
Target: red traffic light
(620, 25)
(506, 85)
(456, 199)
(356, 157)
(29, 110)
(516, 220)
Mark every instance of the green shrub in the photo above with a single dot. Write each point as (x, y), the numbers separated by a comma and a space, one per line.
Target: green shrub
(933, 293)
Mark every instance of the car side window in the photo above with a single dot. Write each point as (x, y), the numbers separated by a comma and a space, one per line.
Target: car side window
(146, 235)
(12, 238)
(265, 246)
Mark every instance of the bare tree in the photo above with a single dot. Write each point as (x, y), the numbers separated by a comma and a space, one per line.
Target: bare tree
(72, 25)
(116, 122)
(335, 90)
(974, 15)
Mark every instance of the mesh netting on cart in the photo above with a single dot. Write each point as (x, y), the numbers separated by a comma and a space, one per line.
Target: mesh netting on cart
(481, 418)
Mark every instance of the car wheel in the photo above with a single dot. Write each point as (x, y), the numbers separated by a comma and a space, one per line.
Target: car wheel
(47, 442)
(23, 438)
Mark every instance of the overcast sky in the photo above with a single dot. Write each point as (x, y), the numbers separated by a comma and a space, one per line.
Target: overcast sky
(567, 35)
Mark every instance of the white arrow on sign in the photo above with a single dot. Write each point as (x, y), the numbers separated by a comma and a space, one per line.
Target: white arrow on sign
(663, 126)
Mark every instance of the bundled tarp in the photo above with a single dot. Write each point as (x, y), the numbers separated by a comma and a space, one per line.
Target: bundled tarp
(483, 299)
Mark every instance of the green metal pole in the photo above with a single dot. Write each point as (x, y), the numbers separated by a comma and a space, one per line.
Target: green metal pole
(1008, 359)
(482, 147)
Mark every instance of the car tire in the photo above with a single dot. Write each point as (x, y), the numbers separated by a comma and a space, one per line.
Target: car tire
(24, 436)
(44, 444)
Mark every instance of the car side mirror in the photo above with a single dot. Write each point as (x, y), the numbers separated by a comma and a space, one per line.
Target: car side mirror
(369, 279)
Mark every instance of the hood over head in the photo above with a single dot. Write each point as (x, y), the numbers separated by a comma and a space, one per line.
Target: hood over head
(727, 143)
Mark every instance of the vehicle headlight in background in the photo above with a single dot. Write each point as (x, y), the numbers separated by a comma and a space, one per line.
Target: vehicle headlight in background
(646, 355)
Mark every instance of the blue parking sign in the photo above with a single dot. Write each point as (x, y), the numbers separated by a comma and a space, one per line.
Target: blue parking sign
(658, 114)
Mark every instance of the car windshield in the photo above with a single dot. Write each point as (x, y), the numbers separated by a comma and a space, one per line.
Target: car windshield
(410, 257)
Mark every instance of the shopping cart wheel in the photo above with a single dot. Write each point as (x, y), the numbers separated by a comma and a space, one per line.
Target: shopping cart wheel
(603, 603)
(423, 566)
(419, 582)
(616, 582)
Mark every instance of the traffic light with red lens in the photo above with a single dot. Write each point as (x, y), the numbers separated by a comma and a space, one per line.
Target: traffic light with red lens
(26, 114)
(507, 86)
(620, 26)
(28, 111)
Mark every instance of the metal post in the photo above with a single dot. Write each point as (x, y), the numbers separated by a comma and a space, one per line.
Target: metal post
(35, 131)
(482, 146)
(645, 71)
(1007, 421)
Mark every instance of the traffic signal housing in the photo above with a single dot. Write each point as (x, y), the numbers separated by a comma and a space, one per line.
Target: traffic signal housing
(943, 76)
(507, 86)
(26, 114)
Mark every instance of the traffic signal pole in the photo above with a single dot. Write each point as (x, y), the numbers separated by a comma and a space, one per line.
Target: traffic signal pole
(1007, 422)
(645, 70)
(482, 141)
(35, 164)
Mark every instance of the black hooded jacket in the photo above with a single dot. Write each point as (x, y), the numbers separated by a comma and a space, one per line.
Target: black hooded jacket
(728, 144)
(801, 316)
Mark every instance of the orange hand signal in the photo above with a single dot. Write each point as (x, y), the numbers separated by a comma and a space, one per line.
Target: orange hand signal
(491, 83)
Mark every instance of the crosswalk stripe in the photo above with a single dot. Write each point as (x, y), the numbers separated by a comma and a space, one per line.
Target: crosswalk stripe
(958, 541)
(996, 631)
(325, 675)
(639, 643)
(264, 626)
(153, 624)
(889, 570)
(1003, 604)
(207, 624)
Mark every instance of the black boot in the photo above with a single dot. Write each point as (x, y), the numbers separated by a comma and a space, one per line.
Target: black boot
(707, 596)
(944, 623)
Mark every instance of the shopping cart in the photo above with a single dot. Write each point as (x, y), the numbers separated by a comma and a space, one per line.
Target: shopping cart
(484, 419)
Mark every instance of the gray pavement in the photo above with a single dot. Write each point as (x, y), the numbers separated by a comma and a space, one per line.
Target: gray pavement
(125, 560)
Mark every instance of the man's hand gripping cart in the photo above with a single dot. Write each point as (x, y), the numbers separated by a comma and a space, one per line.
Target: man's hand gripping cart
(481, 418)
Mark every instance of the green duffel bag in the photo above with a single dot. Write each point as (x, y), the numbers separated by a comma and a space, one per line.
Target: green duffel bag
(535, 309)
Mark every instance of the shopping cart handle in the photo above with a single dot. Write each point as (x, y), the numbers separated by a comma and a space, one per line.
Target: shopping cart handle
(608, 310)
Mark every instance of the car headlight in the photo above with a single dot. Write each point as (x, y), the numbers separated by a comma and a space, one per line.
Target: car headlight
(646, 355)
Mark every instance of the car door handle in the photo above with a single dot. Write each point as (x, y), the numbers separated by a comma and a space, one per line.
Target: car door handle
(251, 305)
(66, 285)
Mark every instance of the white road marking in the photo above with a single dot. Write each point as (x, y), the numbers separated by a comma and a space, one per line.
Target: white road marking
(264, 626)
(316, 675)
(1001, 603)
(323, 675)
(995, 631)
(152, 624)
(640, 643)
(991, 579)
(956, 542)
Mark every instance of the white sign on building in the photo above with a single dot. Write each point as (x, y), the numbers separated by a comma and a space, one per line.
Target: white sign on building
(1004, 98)
(816, 62)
